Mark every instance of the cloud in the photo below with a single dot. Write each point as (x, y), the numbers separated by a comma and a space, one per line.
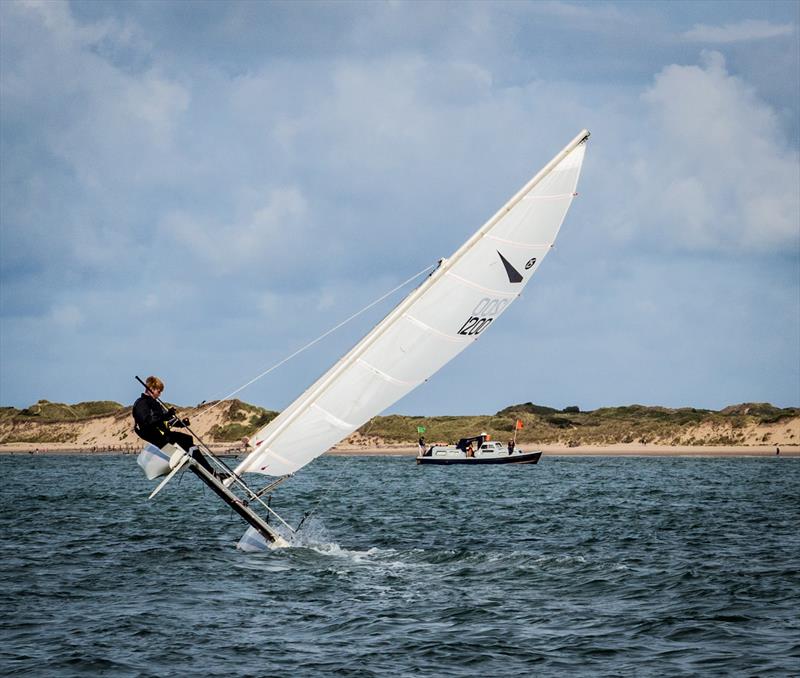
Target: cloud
(67, 317)
(81, 137)
(743, 31)
(224, 190)
(590, 17)
(263, 235)
(716, 171)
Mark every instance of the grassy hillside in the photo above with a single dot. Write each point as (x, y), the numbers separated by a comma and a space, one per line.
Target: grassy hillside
(109, 423)
(745, 424)
(737, 424)
(44, 410)
(240, 419)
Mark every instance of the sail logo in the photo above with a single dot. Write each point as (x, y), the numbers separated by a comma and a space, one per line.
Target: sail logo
(482, 315)
(514, 276)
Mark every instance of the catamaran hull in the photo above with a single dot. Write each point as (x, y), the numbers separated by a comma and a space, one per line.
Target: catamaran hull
(154, 462)
(169, 460)
(526, 458)
(272, 538)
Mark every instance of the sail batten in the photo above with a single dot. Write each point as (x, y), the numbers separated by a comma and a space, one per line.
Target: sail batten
(433, 330)
(385, 376)
(476, 286)
(455, 305)
(556, 196)
(332, 418)
(517, 243)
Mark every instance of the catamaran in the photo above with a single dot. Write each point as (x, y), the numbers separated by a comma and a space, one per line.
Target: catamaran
(450, 310)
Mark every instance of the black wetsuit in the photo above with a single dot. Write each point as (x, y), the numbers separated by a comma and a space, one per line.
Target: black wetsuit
(152, 423)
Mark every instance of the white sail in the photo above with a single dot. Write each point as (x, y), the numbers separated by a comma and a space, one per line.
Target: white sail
(438, 320)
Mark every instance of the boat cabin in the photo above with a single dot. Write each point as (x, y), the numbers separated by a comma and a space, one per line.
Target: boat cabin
(476, 446)
(476, 442)
(493, 447)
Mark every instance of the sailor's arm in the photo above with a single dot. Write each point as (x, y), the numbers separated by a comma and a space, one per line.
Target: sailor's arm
(146, 415)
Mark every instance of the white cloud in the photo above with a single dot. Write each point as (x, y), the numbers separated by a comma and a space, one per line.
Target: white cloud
(67, 317)
(266, 236)
(315, 172)
(585, 16)
(70, 75)
(717, 171)
(87, 136)
(743, 31)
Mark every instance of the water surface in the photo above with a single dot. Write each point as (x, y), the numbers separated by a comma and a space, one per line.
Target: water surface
(579, 566)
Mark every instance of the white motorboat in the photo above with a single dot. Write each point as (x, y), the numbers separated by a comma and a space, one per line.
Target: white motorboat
(477, 450)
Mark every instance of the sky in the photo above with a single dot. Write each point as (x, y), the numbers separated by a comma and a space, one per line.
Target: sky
(198, 189)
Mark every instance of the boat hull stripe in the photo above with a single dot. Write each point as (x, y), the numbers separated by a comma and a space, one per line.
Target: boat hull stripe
(528, 458)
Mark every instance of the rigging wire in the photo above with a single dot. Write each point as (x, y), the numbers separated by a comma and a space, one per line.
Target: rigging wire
(211, 406)
(308, 514)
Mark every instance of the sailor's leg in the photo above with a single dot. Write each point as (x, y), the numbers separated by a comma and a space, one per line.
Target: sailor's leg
(200, 458)
(186, 443)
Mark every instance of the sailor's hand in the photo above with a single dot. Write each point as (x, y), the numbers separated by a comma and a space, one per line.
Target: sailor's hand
(171, 412)
(185, 422)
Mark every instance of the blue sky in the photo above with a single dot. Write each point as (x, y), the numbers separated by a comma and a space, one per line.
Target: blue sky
(195, 190)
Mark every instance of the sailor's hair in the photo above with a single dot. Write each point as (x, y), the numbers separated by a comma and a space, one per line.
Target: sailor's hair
(154, 384)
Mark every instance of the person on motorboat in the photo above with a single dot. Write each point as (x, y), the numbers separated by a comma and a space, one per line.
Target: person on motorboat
(153, 423)
(511, 446)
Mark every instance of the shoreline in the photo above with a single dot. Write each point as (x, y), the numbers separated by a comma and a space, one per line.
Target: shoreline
(620, 450)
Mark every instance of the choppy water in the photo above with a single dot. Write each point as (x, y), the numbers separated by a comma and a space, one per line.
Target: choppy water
(599, 567)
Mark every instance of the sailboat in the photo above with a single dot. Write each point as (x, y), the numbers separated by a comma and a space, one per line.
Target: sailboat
(450, 310)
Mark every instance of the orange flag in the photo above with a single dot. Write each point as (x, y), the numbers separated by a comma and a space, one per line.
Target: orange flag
(519, 423)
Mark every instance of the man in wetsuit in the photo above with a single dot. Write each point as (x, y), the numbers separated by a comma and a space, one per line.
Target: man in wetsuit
(153, 422)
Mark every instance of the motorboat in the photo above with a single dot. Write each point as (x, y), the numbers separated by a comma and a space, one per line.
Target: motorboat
(477, 450)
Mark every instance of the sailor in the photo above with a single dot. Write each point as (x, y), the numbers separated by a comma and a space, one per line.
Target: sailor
(153, 422)
(421, 444)
(511, 446)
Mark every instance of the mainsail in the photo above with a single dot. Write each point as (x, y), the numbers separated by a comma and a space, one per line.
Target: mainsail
(430, 327)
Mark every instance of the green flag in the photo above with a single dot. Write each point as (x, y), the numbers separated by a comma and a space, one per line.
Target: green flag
(420, 429)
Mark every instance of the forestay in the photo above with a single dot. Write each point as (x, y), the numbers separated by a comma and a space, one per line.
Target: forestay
(457, 303)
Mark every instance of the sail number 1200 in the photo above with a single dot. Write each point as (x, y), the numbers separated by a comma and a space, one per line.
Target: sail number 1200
(482, 315)
(475, 325)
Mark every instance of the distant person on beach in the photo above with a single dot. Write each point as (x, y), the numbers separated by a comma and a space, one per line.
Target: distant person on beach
(777, 450)
(153, 422)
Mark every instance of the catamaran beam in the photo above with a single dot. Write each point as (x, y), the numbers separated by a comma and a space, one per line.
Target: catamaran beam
(272, 486)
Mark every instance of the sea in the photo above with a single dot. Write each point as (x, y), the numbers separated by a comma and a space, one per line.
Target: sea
(577, 566)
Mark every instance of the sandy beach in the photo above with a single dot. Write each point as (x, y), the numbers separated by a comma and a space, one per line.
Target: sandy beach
(112, 434)
(621, 450)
